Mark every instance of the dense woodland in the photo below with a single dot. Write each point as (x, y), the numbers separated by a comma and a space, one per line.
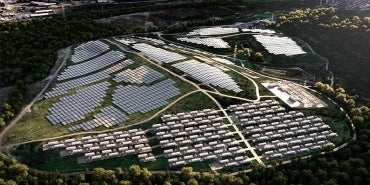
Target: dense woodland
(343, 40)
(28, 48)
(27, 53)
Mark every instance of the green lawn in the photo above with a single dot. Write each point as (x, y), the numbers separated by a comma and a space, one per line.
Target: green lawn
(34, 125)
(249, 91)
(33, 156)
(196, 101)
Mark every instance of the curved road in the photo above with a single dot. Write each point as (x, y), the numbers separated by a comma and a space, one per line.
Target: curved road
(332, 79)
(66, 53)
(206, 92)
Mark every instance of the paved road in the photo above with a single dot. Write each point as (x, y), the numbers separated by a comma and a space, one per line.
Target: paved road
(206, 92)
(222, 64)
(332, 78)
(212, 98)
(103, 131)
(66, 53)
(236, 129)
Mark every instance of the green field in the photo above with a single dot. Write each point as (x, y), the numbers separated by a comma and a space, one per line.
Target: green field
(310, 63)
(196, 101)
(34, 126)
(34, 157)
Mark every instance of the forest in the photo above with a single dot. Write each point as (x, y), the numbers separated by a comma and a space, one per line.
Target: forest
(343, 40)
(28, 48)
(28, 51)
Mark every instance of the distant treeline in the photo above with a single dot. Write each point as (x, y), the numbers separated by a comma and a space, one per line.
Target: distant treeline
(39, 39)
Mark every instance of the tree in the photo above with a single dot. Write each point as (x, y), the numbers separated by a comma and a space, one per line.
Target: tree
(208, 178)
(192, 181)
(145, 175)
(325, 88)
(321, 174)
(167, 183)
(7, 107)
(356, 19)
(334, 18)
(358, 119)
(80, 177)
(258, 57)
(340, 90)
(134, 171)
(102, 175)
(125, 182)
(307, 175)
(279, 178)
(19, 171)
(187, 173)
(2, 122)
(364, 109)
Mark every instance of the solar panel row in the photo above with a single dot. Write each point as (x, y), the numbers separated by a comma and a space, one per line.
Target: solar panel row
(214, 31)
(63, 87)
(279, 45)
(106, 145)
(208, 75)
(108, 116)
(74, 107)
(142, 74)
(88, 50)
(91, 65)
(143, 99)
(158, 53)
(211, 42)
(198, 136)
(278, 133)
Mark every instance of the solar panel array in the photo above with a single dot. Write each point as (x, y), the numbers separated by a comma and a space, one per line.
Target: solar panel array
(63, 87)
(278, 133)
(214, 31)
(198, 136)
(104, 146)
(126, 41)
(142, 74)
(108, 116)
(208, 75)
(225, 61)
(153, 40)
(91, 65)
(74, 107)
(259, 31)
(143, 99)
(211, 42)
(88, 50)
(279, 45)
(158, 53)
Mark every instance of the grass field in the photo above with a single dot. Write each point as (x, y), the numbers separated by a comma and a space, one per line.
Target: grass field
(34, 157)
(196, 101)
(249, 91)
(34, 125)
